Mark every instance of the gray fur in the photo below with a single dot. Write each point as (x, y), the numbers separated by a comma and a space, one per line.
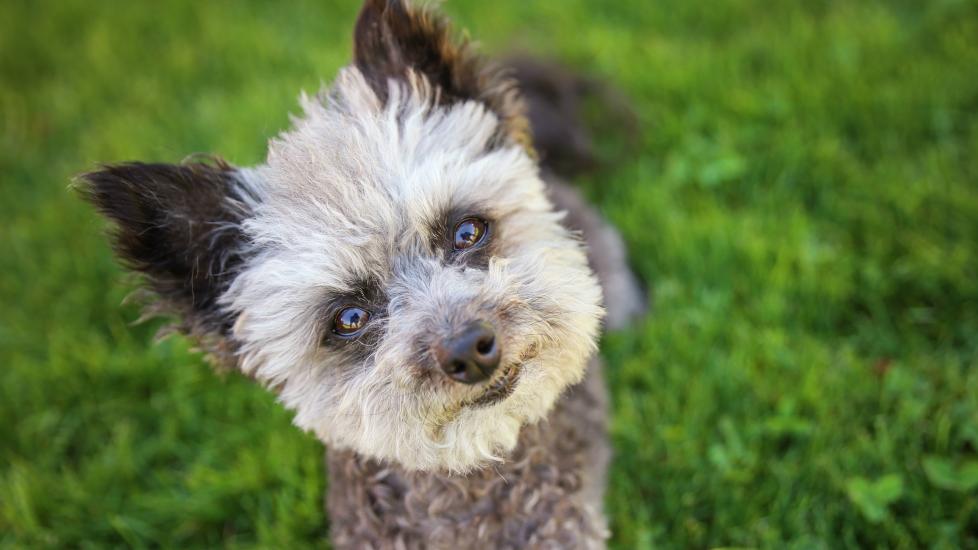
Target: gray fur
(355, 205)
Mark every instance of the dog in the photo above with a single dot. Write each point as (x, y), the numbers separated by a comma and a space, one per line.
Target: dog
(409, 275)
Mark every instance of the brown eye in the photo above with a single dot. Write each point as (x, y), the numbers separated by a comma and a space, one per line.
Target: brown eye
(469, 232)
(350, 320)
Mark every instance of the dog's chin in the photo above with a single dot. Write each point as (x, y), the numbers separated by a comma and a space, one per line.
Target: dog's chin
(486, 428)
(475, 432)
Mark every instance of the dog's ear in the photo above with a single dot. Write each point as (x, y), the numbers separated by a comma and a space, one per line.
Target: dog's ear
(178, 226)
(392, 37)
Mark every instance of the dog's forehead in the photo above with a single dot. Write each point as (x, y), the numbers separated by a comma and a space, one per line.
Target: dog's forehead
(355, 180)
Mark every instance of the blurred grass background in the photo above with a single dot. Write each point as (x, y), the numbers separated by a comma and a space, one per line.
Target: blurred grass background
(803, 204)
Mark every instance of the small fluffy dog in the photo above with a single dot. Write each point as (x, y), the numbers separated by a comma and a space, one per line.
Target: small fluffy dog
(405, 277)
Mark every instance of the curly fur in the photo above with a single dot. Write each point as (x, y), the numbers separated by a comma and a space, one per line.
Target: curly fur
(355, 204)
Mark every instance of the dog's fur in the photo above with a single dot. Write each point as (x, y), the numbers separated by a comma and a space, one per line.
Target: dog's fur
(355, 205)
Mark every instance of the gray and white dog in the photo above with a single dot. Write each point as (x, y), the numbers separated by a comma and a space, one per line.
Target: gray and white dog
(406, 278)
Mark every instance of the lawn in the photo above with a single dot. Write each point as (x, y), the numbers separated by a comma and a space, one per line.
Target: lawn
(802, 201)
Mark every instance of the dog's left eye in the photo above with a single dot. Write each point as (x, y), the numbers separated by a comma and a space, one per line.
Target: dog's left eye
(350, 320)
(469, 232)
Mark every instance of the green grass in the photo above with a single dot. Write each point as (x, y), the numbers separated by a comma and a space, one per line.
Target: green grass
(803, 205)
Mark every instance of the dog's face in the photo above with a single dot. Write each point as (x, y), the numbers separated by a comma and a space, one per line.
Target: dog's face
(394, 270)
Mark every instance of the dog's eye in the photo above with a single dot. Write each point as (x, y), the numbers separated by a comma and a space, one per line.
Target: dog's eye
(350, 320)
(469, 232)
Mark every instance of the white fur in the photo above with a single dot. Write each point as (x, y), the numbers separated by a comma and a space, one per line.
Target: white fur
(350, 192)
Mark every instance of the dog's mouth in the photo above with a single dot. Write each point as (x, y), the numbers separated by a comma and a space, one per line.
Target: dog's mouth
(499, 389)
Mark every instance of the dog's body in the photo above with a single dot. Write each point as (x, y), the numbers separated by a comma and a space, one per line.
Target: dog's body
(400, 273)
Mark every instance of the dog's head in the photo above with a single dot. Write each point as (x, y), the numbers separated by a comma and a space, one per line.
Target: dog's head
(393, 270)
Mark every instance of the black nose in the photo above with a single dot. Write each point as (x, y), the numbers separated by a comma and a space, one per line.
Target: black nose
(471, 355)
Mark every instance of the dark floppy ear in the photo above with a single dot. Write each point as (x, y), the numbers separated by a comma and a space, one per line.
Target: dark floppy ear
(179, 226)
(392, 36)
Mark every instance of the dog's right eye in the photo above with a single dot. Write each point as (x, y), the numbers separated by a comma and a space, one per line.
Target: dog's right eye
(350, 320)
